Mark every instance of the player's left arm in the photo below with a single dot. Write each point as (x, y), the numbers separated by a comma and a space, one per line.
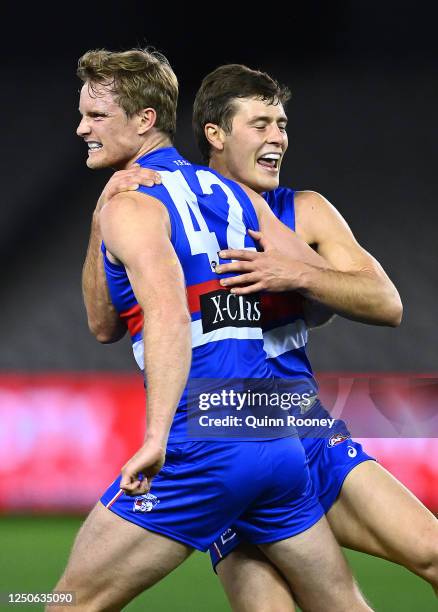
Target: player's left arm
(136, 230)
(103, 319)
(341, 275)
(356, 286)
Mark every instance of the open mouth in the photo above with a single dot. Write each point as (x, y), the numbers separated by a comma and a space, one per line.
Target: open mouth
(94, 146)
(270, 161)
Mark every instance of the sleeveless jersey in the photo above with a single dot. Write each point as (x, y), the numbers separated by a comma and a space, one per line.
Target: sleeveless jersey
(207, 213)
(285, 330)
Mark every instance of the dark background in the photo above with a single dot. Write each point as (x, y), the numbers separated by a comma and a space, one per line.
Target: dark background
(362, 132)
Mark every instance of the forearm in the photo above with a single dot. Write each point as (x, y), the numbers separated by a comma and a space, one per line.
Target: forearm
(103, 319)
(168, 352)
(361, 295)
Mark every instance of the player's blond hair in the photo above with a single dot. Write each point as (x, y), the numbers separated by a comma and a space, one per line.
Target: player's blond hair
(138, 78)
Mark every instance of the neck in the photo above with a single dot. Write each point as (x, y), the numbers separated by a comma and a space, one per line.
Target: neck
(217, 164)
(152, 143)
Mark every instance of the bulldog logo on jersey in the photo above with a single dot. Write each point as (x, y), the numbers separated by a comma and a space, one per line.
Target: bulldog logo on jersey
(337, 439)
(145, 503)
(224, 309)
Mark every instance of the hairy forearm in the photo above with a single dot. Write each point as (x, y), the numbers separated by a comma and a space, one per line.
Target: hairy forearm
(361, 296)
(103, 319)
(168, 352)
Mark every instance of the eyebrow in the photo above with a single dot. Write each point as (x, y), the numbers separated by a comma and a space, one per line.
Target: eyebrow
(282, 119)
(93, 112)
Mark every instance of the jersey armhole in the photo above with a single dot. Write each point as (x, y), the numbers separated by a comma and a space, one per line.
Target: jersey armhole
(291, 211)
(109, 264)
(250, 218)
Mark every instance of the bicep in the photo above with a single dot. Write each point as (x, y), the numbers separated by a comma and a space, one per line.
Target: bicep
(137, 232)
(285, 240)
(326, 229)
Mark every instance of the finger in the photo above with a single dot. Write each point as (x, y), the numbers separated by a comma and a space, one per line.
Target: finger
(263, 242)
(130, 485)
(149, 175)
(131, 475)
(242, 279)
(235, 266)
(254, 288)
(133, 481)
(120, 188)
(138, 174)
(138, 488)
(241, 254)
(255, 234)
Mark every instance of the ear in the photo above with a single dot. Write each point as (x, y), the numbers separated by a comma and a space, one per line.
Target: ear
(215, 136)
(148, 118)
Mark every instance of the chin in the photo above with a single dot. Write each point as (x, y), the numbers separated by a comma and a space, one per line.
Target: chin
(267, 184)
(96, 164)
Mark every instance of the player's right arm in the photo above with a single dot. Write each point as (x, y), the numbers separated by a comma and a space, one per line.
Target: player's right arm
(136, 231)
(103, 319)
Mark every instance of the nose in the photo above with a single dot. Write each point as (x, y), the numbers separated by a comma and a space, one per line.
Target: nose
(276, 136)
(83, 128)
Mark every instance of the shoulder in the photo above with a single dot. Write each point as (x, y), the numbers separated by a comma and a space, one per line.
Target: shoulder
(310, 201)
(255, 198)
(132, 221)
(315, 215)
(134, 204)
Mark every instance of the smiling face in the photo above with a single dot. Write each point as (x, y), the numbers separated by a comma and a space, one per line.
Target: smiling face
(112, 137)
(253, 150)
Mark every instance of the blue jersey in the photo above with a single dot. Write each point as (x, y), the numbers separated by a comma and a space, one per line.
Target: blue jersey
(285, 333)
(284, 326)
(207, 213)
(331, 454)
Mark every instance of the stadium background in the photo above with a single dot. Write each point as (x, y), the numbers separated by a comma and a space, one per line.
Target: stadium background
(362, 132)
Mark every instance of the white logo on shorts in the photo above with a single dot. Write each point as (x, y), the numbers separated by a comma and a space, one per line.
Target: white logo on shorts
(227, 536)
(352, 452)
(145, 503)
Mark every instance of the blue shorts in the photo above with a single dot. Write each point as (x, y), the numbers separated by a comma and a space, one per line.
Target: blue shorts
(330, 462)
(263, 488)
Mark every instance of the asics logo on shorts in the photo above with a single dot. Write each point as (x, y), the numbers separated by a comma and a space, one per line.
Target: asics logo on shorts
(224, 309)
(227, 536)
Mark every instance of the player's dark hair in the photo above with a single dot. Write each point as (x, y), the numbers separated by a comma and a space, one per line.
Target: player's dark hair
(215, 100)
(138, 78)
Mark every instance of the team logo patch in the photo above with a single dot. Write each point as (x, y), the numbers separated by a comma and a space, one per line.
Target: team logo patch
(145, 503)
(224, 309)
(337, 439)
(227, 536)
